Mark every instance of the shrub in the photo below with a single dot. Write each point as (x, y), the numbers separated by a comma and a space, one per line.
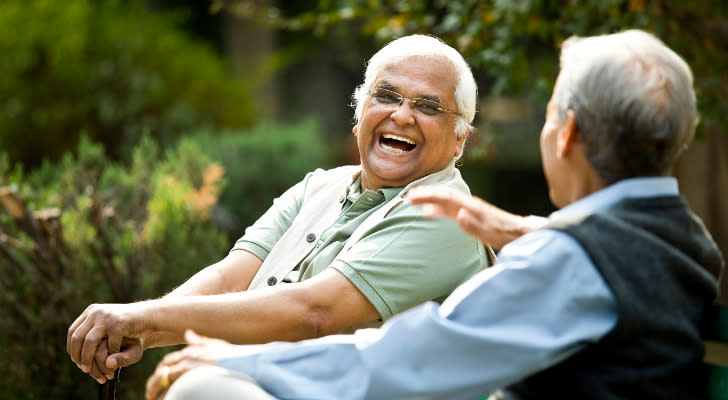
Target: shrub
(89, 230)
(261, 163)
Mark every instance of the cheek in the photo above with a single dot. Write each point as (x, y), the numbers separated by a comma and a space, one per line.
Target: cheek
(547, 137)
(370, 118)
(443, 134)
(546, 147)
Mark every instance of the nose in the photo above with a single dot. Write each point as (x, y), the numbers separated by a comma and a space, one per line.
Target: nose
(403, 115)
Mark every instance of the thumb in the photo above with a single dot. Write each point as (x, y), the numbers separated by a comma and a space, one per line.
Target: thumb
(128, 356)
(193, 338)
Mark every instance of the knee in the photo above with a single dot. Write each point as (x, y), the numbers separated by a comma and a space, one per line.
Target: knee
(195, 384)
(217, 383)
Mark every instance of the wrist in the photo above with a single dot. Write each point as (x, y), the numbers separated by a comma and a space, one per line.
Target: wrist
(142, 319)
(158, 322)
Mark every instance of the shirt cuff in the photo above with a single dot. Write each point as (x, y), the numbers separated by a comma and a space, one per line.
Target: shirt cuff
(251, 247)
(364, 287)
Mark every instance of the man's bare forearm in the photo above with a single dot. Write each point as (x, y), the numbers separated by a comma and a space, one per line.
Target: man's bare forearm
(242, 317)
(231, 274)
(322, 305)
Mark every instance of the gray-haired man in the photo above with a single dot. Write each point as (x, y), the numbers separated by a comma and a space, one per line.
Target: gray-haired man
(604, 301)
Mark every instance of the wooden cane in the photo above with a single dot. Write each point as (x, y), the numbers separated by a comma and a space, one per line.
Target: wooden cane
(107, 391)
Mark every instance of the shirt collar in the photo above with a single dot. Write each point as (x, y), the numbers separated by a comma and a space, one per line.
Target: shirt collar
(355, 188)
(641, 187)
(389, 193)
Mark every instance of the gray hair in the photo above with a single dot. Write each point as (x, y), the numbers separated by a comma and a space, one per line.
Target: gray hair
(466, 91)
(633, 99)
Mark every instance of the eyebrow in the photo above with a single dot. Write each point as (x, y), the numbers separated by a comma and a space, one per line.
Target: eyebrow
(386, 85)
(389, 86)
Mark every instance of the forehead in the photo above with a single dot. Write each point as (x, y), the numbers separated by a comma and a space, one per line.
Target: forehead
(421, 75)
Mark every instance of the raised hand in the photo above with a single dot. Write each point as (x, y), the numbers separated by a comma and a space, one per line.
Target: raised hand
(490, 224)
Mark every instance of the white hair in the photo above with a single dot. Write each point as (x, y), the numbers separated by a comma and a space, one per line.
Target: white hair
(634, 102)
(466, 90)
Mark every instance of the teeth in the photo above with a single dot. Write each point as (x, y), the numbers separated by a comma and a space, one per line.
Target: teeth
(400, 138)
(392, 149)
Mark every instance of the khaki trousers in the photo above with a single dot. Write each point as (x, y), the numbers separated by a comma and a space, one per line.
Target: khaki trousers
(216, 383)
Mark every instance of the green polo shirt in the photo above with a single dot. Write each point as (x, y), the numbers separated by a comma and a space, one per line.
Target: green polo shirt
(402, 261)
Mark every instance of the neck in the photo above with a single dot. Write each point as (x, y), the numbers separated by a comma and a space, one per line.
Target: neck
(584, 180)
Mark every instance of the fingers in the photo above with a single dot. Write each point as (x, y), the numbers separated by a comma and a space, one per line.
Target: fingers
(487, 223)
(76, 342)
(193, 339)
(438, 201)
(154, 384)
(473, 225)
(175, 357)
(114, 343)
(89, 346)
(443, 197)
(102, 353)
(97, 373)
(200, 352)
(71, 331)
(131, 354)
(162, 378)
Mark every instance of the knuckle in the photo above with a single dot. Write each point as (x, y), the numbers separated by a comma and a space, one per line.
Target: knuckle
(77, 337)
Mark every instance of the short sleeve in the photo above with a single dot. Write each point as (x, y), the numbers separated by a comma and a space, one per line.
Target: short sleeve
(260, 237)
(405, 260)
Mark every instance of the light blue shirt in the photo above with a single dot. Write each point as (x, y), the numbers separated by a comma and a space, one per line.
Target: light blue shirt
(542, 302)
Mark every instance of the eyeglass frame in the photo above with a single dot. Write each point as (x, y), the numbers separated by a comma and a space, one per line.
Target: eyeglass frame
(414, 101)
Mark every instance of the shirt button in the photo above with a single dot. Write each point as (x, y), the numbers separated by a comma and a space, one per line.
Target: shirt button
(272, 281)
(310, 237)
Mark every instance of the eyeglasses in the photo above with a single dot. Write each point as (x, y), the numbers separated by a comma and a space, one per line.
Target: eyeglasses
(392, 99)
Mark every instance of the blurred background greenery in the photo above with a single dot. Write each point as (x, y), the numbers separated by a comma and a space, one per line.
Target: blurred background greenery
(138, 138)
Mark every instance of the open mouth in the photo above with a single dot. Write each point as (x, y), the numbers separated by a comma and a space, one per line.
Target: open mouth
(396, 144)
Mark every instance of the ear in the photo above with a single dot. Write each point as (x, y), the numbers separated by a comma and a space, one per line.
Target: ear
(355, 129)
(460, 141)
(569, 135)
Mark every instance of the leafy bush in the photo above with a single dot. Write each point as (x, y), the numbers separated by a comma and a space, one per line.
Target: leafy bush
(260, 164)
(89, 230)
(108, 68)
(98, 231)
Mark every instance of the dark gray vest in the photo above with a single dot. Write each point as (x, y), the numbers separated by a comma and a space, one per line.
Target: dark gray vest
(662, 267)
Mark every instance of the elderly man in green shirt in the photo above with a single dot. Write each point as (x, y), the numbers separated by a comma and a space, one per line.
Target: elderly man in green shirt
(343, 247)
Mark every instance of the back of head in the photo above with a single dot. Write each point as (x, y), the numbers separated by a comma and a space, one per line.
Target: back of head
(634, 102)
(423, 45)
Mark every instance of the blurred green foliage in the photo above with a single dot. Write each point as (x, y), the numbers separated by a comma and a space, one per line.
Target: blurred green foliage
(103, 231)
(123, 233)
(261, 163)
(111, 69)
(515, 42)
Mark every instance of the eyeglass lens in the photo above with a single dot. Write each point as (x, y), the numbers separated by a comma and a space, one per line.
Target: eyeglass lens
(394, 99)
